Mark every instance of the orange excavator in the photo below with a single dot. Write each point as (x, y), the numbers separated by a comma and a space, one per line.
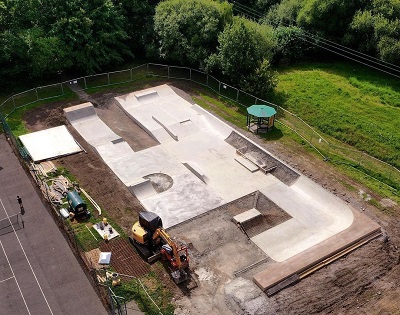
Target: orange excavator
(153, 242)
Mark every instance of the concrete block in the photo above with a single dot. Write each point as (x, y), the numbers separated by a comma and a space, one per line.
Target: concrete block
(246, 216)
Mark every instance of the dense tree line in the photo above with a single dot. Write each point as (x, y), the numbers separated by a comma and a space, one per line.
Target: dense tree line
(239, 39)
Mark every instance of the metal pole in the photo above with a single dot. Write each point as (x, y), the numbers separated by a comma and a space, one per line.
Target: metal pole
(168, 71)
(131, 74)
(219, 87)
(37, 95)
(12, 97)
(108, 77)
(190, 74)
(256, 100)
(207, 80)
(62, 89)
(84, 80)
(237, 95)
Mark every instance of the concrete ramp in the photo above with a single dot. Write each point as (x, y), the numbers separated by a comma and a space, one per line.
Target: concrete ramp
(84, 119)
(163, 114)
(142, 189)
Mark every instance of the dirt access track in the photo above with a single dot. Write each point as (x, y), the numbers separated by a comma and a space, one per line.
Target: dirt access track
(362, 282)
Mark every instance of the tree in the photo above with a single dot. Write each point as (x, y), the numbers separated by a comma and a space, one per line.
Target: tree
(243, 53)
(290, 46)
(92, 31)
(187, 31)
(285, 13)
(328, 17)
(376, 29)
(138, 23)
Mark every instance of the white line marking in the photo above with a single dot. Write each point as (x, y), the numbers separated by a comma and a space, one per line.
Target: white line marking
(15, 277)
(37, 281)
(7, 278)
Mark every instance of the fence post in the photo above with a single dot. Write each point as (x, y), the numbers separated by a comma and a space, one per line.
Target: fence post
(131, 74)
(12, 97)
(84, 80)
(108, 77)
(255, 100)
(62, 89)
(168, 71)
(190, 74)
(237, 95)
(219, 87)
(37, 95)
(207, 80)
(147, 68)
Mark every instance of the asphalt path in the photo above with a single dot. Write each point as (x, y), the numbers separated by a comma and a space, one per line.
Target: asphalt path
(38, 272)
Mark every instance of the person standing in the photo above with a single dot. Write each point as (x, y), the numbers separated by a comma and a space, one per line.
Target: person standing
(21, 206)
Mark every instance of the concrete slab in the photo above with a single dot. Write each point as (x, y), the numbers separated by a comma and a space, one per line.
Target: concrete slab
(50, 143)
(276, 273)
(246, 216)
(198, 137)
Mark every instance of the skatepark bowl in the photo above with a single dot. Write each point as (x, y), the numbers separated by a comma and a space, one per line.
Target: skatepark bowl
(209, 164)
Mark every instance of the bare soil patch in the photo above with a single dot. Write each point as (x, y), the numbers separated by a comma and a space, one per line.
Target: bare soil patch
(363, 282)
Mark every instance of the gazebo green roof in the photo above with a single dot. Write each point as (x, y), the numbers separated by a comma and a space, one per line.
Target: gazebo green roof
(261, 110)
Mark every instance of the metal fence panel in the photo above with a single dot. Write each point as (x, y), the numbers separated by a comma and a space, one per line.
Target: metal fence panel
(49, 91)
(213, 83)
(97, 80)
(229, 92)
(199, 77)
(179, 73)
(246, 99)
(157, 70)
(122, 76)
(25, 98)
(7, 107)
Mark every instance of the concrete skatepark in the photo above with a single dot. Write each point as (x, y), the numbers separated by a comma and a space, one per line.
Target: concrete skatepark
(207, 171)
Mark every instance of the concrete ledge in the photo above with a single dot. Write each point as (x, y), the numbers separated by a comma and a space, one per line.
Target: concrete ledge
(247, 164)
(195, 170)
(170, 132)
(246, 216)
(146, 96)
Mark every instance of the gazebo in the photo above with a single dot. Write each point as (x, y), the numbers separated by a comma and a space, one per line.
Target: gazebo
(260, 118)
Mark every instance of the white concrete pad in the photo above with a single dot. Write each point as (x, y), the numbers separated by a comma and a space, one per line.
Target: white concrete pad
(246, 216)
(50, 143)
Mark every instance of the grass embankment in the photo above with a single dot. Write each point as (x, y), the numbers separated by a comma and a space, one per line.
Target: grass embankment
(353, 104)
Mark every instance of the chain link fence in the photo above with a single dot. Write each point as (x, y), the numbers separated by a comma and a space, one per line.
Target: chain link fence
(379, 170)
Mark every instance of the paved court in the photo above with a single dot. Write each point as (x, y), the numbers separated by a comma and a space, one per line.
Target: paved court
(38, 272)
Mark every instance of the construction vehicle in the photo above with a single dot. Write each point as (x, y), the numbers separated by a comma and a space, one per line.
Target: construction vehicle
(153, 242)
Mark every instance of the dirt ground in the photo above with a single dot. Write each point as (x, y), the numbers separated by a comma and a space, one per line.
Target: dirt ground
(365, 281)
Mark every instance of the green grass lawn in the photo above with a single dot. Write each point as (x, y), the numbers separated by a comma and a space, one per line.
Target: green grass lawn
(355, 105)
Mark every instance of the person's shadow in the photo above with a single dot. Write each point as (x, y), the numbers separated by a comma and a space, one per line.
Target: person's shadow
(22, 209)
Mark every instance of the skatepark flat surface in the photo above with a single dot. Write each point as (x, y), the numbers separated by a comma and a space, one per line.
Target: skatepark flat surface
(205, 174)
(38, 272)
